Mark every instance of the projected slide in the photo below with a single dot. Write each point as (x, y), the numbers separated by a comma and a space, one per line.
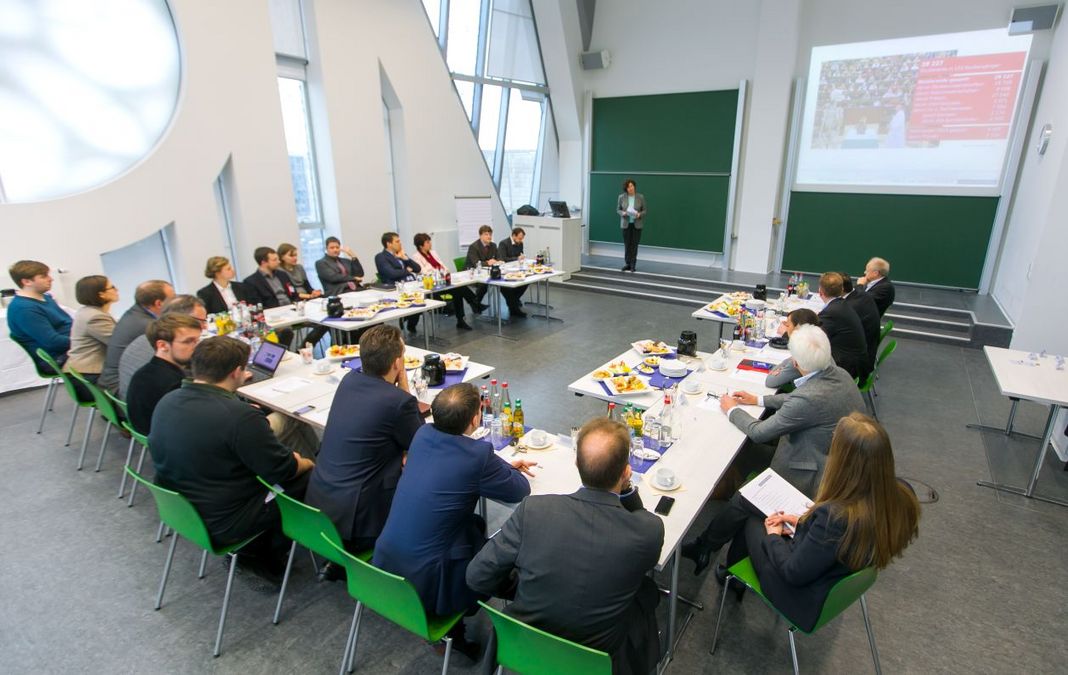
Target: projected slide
(911, 115)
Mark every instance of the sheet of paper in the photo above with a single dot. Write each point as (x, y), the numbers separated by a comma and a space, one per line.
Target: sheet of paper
(749, 376)
(288, 385)
(770, 493)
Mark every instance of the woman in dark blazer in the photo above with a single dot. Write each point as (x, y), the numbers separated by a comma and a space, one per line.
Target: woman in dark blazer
(287, 254)
(631, 209)
(863, 517)
(216, 294)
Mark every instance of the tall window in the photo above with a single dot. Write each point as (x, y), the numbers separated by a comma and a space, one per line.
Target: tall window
(302, 168)
(491, 49)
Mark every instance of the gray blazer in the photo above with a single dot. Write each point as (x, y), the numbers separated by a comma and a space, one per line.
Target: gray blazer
(89, 336)
(581, 561)
(639, 206)
(131, 326)
(803, 422)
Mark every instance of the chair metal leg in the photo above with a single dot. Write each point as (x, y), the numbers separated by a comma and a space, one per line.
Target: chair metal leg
(129, 458)
(203, 563)
(871, 636)
(103, 445)
(349, 662)
(499, 671)
(871, 403)
(52, 399)
(285, 582)
(159, 532)
(315, 563)
(719, 617)
(448, 654)
(73, 419)
(793, 651)
(85, 438)
(47, 404)
(226, 604)
(166, 571)
(133, 488)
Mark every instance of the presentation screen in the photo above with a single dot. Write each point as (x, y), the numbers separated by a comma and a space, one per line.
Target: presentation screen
(922, 115)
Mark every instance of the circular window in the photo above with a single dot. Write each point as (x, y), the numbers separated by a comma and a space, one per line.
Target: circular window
(86, 91)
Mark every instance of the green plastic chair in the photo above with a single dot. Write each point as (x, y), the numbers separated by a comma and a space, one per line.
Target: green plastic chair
(306, 525)
(393, 598)
(103, 405)
(842, 595)
(524, 649)
(68, 384)
(887, 327)
(459, 263)
(176, 511)
(135, 439)
(53, 384)
(867, 388)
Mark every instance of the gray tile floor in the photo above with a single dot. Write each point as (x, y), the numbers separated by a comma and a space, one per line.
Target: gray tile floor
(981, 590)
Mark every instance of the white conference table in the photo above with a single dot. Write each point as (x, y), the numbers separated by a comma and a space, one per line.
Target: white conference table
(315, 312)
(707, 445)
(296, 385)
(497, 284)
(783, 307)
(1031, 377)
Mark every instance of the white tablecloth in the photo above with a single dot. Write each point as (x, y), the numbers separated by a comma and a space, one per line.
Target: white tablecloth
(16, 368)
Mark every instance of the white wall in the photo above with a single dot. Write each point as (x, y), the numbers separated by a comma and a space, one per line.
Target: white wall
(228, 107)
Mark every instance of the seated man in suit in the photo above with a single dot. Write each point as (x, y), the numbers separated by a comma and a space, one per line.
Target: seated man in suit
(511, 250)
(336, 274)
(484, 251)
(148, 305)
(803, 424)
(34, 319)
(868, 312)
(210, 446)
(786, 372)
(371, 425)
(608, 601)
(394, 265)
(174, 335)
(842, 326)
(432, 532)
(271, 287)
(222, 292)
(876, 283)
(142, 349)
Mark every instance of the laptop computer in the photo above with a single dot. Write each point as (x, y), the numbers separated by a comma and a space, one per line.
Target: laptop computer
(559, 209)
(266, 361)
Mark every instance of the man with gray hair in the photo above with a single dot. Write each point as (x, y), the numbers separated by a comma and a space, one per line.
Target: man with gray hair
(140, 351)
(803, 424)
(876, 283)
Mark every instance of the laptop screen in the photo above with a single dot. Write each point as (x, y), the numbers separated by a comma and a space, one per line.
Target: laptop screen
(559, 209)
(268, 356)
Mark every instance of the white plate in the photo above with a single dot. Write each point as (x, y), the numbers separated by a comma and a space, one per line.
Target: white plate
(658, 486)
(346, 357)
(332, 369)
(638, 348)
(414, 366)
(699, 389)
(719, 370)
(611, 384)
(531, 446)
(463, 362)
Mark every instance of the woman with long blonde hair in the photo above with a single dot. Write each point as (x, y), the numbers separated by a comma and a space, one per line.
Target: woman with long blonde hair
(863, 516)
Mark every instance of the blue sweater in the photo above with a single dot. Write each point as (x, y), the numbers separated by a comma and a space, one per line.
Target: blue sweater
(39, 323)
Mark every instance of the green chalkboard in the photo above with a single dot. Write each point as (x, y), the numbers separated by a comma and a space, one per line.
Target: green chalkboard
(927, 239)
(679, 149)
(685, 212)
(678, 133)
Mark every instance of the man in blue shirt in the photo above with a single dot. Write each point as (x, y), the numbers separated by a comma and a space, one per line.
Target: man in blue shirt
(34, 319)
(394, 265)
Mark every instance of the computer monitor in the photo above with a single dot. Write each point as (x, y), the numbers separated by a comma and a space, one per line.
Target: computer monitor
(559, 209)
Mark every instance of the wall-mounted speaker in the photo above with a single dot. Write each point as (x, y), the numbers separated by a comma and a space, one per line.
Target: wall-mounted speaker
(595, 60)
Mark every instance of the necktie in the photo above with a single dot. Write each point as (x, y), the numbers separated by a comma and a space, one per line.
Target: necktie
(344, 270)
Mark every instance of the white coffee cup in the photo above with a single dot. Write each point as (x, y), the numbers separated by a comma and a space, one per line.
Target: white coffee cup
(537, 437)
(322, 366)
(665, 477)
(691, 386)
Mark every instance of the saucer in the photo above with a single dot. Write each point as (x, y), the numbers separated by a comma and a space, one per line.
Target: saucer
(653, 482)
(548, 444)
(692, 391)
(711, 367)
(332, 369)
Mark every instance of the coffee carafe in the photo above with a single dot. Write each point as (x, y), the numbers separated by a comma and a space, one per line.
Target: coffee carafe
(334, 307)
(433, 370)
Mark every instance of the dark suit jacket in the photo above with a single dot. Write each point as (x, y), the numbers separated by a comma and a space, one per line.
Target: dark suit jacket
(213, 300)
(432, 532)
(131, 326)
(392, 269)
(581, 561)
(335, 281)
(370, 427)
(476, 252)
(883, 295)
(868, 312)
(260, 292)
(797, 573)
(848, 345)
(209, 446)
(509, 251)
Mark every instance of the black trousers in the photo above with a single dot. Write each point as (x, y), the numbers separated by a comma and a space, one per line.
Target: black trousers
(261, 516)
(631, 237)
(729, 522)
(511, 295)
(459, 296)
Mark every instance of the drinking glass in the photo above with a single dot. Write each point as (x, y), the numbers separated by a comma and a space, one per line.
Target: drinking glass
(637, 453)
(574, 438)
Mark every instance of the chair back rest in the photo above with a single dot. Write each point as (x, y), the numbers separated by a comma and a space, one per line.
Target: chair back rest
(531, 651)
(67, 384)
(45, 368)
(459, 263)
(887, 327)
(386, 594)
(177, 513)
(118, 403)
(845, 593)
(307, 525)
(102, 402)
(887, 351)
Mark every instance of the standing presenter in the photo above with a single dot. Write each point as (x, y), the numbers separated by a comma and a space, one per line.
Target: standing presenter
(631, 209)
